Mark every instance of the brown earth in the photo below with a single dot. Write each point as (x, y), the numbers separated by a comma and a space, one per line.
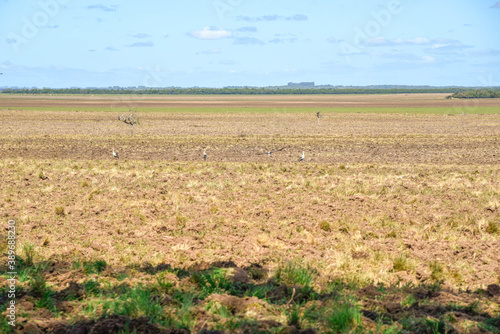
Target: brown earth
(238, 101)
(339, 138)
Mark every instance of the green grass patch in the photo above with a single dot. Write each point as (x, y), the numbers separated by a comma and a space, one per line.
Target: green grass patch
(42, 293)
(137, 302)
(295, 273)
(343, 318)
(91, 287)
(214, 281)
(94, 267)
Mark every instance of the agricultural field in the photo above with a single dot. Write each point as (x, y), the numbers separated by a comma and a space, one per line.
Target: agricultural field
(390, 224)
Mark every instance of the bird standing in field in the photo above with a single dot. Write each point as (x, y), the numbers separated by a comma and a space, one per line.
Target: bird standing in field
(115, 154)
(204, 155)
(302, 156)
(318, 114)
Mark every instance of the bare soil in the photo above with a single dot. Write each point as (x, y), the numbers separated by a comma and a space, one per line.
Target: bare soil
(339, 138)
(238, 101)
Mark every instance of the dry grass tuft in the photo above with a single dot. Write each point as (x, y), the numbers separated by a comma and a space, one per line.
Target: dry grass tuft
(492, 228)
(59, 210)
(325, 226)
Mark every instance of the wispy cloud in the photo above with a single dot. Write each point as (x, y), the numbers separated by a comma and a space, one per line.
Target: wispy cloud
(283, 40)
(247, 29)
(111, 48)
(274, 17)
(408, 58)
(141, 35)
(443, 46)
(382, 41)
(297, 17)
(104, 8)
(210, 33)
(497, 5)
(279, 39)
(448, 48)
(248, 41)
(147, 44)
(334, 40)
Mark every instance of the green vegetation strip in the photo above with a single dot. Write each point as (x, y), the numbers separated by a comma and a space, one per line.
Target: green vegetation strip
(465, 108)
(234, 91)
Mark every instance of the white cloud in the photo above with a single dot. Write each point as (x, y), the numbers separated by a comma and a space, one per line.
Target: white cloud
(248, 29)
(147, 44)
(211, 33)
(248, 41)
(284, 38)
(376, 41)
(141, 35)
(104, 8)
(273, 17)
(449, 48)
(418, 40)
(382, 41)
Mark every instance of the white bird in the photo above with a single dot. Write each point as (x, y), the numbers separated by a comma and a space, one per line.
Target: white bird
(204, 155)
(115, 154)
(302, 156)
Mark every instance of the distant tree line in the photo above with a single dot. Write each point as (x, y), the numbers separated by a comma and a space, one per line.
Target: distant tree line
(234, 91)
(476, 94)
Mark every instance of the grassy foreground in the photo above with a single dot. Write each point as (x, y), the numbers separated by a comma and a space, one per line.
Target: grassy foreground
(136, 246)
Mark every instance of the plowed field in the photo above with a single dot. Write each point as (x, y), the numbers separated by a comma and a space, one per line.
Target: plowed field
(391, 223)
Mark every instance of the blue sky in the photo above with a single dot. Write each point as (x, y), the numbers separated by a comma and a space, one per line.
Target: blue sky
(217, 43)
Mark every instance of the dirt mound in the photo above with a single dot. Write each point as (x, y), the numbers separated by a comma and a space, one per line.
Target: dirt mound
(236, 304)
(494, 290)
(113, 324)
(73, 291)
